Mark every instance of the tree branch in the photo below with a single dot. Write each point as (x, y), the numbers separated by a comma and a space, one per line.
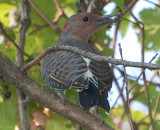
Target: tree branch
(45, 97)
(24, 24)
(88, 55)
(127, 92)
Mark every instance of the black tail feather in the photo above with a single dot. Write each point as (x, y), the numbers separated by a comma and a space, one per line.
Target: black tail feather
(103, 101)
(91, 97)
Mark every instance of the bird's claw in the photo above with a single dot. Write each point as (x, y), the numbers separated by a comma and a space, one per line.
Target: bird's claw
(99, 116)
(63, 97)
(27, 100)
(94, 111)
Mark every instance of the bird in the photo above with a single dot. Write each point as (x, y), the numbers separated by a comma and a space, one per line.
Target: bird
(64, 70)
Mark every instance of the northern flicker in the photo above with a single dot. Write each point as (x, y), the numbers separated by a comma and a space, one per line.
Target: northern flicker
(64, 70)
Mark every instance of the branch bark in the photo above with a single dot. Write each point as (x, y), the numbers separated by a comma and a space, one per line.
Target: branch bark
(23, 27)
(88, 55)
(13, 75)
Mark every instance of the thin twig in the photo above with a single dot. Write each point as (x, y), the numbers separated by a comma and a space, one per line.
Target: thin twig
(91, 6)
(141, 121)
(121, 90)
(3, 31)
(148, 81)
(141, 26)
(53, 25)
(153, 76)
(129, 20)
(156, 106)
(115, 38)
(38, 28)
(59, 12)
(91, 56)
(152, 3)
(23, 27)
(122, 117)
(127, 93)
(132, 3)
(58, 15)
(141, 74)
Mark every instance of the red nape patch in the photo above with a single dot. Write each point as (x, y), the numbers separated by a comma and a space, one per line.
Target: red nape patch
(65, 26)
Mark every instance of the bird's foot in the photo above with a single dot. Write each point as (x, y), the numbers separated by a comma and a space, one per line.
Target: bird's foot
(63, 97)
(27, 100)
(94, 111)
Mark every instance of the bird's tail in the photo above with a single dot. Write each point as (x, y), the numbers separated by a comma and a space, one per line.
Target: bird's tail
(92, 96)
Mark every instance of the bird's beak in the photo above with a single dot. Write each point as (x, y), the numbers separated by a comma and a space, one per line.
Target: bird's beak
(107, 20)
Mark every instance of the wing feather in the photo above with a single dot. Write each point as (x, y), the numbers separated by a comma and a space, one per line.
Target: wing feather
(102, 72)
(61, 69)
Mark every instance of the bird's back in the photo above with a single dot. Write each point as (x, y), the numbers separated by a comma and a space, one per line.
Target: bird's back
(63, 70)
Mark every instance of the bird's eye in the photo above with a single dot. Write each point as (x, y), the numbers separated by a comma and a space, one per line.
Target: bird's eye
(85, 19)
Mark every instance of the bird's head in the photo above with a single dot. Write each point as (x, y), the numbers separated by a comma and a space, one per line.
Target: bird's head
(81, 26)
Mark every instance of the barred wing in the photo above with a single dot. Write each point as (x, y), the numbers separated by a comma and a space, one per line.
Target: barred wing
(63, 70)
(102, 72)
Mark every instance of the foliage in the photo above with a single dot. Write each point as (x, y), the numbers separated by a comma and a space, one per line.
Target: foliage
(152, 27)
(119, 3)
(38, 41)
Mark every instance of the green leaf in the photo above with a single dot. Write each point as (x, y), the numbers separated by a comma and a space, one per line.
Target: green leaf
(107, 51)
(138, 118)
(18, 2)
(99, 38)
(151, 19)
(10, 51)
(107, 117)
(153, 93)
(8, 110)
(10, 32)
(59, 123)
(124, 25)
(157, 126)
(5, 9)
(69, 7)
(119, 3)
(11, 2)
(72, 95)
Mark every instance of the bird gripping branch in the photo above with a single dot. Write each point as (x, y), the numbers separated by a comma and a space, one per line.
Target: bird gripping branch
(63, 70)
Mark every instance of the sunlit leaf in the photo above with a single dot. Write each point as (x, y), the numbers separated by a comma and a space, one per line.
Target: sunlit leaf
(60, 123)
(151, 18)
(124, 24)
(139, 91)
(119, 3)
(69, 7)
(107, 117)
(5, 9)
(8, 116)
